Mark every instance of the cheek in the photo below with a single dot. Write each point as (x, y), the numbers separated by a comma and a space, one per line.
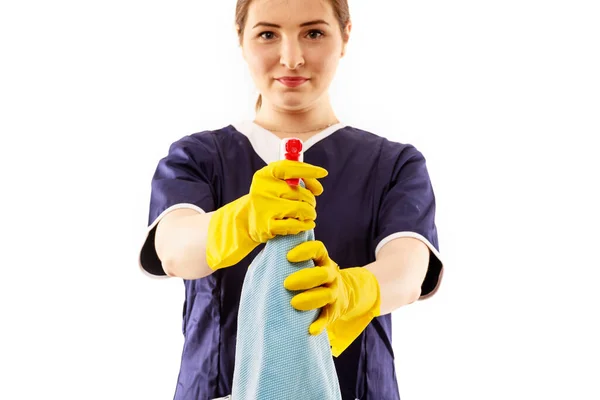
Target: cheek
(260, 59)
(325, 63)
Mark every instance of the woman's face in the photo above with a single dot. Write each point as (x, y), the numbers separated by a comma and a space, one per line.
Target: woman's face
(292, 38)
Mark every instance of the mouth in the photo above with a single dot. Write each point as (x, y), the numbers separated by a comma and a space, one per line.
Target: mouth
(290, 81)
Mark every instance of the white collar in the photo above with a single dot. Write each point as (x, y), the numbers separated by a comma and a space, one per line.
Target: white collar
(267, 144)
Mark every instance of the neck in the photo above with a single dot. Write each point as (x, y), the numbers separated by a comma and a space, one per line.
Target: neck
(285, 123)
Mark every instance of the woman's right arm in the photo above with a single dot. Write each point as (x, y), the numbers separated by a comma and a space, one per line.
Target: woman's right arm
(190, 244)
(180, 243)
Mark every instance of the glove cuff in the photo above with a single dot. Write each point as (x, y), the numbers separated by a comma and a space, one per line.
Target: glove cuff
(228, 241)
(365, 294)
(364, 305)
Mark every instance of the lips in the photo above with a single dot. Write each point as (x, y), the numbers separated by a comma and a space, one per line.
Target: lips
(292, 81)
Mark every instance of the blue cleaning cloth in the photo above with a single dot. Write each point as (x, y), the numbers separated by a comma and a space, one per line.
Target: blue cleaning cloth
(276, 358)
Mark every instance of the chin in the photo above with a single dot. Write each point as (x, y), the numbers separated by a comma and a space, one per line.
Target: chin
(293, 106)
(294, 102)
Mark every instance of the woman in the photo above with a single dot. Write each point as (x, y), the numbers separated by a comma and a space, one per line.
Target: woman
(218, 196)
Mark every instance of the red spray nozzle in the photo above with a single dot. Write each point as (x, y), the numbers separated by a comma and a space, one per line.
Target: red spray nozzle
(293, 151)
(293, 148)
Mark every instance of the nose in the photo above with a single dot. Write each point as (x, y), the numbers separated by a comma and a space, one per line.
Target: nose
(291, 54)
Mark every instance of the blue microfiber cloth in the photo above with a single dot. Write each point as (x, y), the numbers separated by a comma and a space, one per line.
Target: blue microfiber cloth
(276, 358)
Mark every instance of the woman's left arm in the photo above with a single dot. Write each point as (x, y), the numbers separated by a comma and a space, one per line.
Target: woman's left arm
(400, 269)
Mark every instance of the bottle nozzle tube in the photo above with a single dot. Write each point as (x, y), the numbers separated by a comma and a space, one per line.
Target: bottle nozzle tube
(291, 149)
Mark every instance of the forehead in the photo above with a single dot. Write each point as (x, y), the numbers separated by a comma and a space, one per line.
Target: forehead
(285, 12)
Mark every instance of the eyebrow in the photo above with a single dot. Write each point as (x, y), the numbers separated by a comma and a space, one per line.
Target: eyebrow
(315, 22)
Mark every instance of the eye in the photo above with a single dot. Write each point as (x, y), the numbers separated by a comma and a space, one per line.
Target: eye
(268, 35)
(315, 34)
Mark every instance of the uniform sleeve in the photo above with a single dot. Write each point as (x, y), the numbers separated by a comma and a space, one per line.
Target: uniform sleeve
(182, 180)
(408, 210)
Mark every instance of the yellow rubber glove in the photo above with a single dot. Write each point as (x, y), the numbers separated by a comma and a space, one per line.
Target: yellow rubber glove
(272, 207)
(349, 298)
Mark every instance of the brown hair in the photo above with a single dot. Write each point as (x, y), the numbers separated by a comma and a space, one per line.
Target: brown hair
(340, 9)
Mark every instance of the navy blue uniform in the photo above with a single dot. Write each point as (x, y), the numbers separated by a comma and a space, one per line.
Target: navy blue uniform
(376, 190)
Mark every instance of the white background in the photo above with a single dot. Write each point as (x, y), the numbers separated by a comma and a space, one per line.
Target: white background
(503, 98)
